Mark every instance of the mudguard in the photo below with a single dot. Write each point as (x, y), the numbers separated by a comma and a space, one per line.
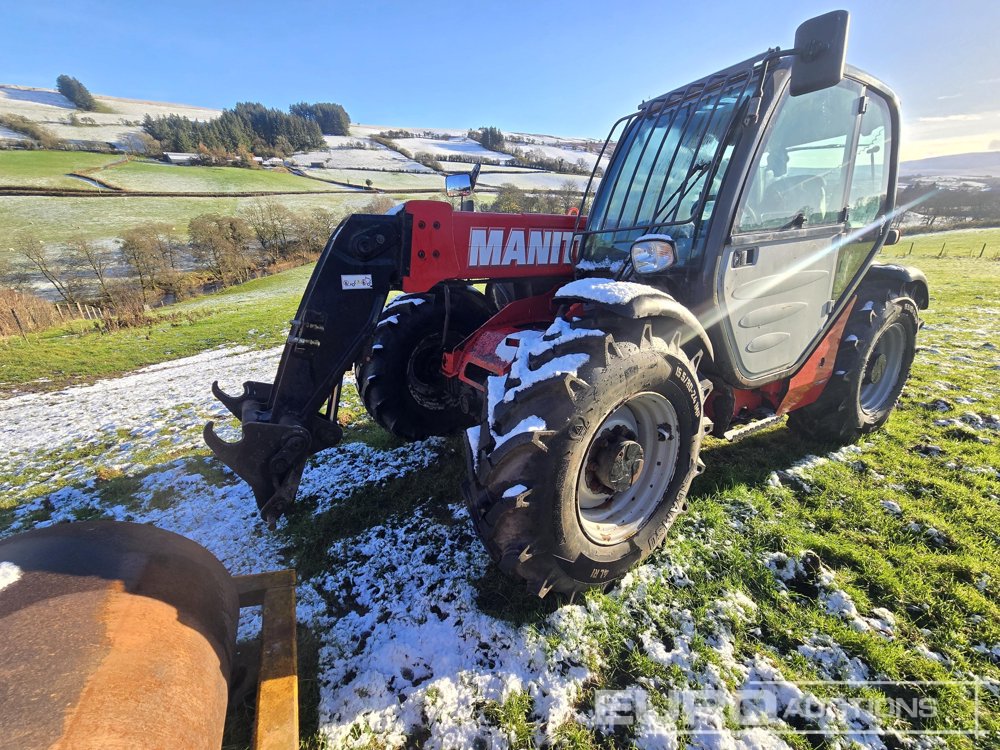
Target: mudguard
(911, 280)
(633, 301)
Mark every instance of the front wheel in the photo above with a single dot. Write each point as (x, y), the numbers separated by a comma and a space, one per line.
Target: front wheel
(873, 363)
(399, 374)
(586, 453)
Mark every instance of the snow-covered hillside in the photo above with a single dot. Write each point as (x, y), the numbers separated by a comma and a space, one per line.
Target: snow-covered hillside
(121, 123)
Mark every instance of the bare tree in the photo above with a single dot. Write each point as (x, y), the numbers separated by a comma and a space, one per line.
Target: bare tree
(312, 230)
(66, 281)
(221, 244)
(569, 195)
(90, 258)
(140, 252)
(380, 204)
(271, 223)
(154, 254)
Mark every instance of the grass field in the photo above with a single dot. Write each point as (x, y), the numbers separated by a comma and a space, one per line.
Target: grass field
(254, 314)
(59, 219)
(383, 180)
(49, 169)
(409, 637)
(169, 178)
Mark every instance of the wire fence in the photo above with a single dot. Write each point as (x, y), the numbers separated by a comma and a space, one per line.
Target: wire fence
(924, 249)
(22, 313)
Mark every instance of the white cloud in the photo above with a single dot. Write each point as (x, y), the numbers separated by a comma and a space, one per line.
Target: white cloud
(950, 134)
(952, 118)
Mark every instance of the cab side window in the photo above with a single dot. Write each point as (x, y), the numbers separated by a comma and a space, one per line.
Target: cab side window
(800, 177)
(870, 181)
(869, 189)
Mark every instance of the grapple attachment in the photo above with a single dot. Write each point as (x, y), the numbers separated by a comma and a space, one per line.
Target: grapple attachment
(286, 422)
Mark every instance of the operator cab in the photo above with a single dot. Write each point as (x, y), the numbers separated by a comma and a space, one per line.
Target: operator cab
(756, 195)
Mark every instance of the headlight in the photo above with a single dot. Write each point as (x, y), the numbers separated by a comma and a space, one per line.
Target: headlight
(653, 252)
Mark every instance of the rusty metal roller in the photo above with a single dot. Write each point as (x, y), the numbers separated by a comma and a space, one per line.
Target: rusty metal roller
(113, 635)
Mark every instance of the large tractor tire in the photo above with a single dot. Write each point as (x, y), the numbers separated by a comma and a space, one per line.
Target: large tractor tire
(586, 456)
(399, 373)
(873, 363)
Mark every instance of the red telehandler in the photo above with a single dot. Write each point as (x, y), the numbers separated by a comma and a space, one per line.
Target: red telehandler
(722, 279)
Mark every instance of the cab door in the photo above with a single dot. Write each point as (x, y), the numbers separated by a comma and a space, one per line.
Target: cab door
(779, 266)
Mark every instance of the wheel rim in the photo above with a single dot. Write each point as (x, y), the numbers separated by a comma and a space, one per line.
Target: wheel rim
(427, 384)
(649, 421)
(882, 371)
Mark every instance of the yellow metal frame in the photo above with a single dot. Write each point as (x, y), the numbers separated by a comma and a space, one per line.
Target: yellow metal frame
(277, 716)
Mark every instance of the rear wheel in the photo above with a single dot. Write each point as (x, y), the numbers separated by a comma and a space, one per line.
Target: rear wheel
(399, 374)
(586, 457)
(872, 366)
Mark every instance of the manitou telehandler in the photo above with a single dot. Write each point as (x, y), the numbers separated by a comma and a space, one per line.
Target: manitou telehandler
(721, 278)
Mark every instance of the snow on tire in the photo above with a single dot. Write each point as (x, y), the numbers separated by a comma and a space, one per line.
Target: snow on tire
(586, 453)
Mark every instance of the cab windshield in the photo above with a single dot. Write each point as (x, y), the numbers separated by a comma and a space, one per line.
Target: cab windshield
(665, 173)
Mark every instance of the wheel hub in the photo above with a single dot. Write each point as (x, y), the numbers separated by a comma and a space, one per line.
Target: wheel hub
(628, 467)
(878, 369)
(619, 464)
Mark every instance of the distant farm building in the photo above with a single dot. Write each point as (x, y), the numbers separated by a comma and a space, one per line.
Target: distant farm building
(174, 157)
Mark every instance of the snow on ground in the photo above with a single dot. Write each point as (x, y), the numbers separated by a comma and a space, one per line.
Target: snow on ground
(458, 146)
(158, 407)
(11, 135)
(116, 134)
(123, 120)
(536, 180)
(370, 130)
(495, 171)
(28, 101)
(382, 179)
(375, 156)
(48, 105)
(567, 154)
(405, 644)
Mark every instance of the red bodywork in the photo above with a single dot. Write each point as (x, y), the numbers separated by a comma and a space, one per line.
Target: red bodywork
(472, 246)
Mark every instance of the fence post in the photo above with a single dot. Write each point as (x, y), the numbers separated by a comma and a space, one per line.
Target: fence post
(79, 309)
(18, 321)
(941, 254)
(983, 250)
(911, 249)
(59, 312)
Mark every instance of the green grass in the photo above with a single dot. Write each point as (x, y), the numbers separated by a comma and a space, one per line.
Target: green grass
(255, 314)
(169, 178)
(943, 595)
(48, 169)
(964, 243)
(56, 220)
(383, 180)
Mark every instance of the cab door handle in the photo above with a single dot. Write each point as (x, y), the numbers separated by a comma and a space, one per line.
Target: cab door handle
(744, 256)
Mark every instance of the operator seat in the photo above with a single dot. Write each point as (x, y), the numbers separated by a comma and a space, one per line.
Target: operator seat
(791, 194)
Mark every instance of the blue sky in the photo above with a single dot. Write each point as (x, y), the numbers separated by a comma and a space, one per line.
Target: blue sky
(568, 68)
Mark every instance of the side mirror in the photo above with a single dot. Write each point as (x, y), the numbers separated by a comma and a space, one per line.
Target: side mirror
(893, 237)
(458, 185)
(820, 51)
(463, 184)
